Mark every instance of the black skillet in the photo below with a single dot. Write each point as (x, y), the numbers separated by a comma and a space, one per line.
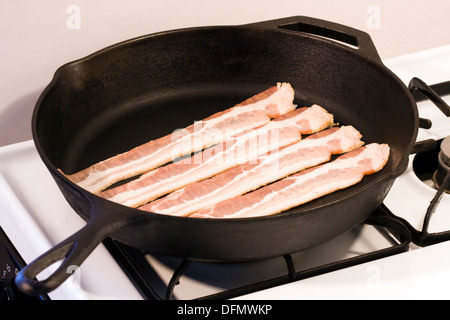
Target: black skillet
(147, 87)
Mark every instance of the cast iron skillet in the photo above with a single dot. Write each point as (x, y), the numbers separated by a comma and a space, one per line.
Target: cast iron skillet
(147, 87)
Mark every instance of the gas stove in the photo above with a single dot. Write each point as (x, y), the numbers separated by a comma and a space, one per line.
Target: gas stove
(399, 252)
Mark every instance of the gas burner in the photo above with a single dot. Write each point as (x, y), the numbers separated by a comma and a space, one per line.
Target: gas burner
(425, 165)
(441, 176)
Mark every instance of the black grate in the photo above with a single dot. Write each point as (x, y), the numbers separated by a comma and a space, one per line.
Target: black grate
(145, 277)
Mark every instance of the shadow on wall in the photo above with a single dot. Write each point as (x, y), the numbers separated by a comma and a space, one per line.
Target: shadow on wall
(15, 119)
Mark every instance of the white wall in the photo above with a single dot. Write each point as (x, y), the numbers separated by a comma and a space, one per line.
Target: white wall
(37, 36)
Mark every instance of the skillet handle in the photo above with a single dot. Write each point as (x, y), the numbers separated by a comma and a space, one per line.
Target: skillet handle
(72, 251)
(356, 39)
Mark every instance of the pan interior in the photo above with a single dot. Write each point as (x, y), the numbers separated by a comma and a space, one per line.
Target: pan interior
(136, 122)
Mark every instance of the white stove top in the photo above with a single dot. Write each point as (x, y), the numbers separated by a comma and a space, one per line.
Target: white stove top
(33, 208)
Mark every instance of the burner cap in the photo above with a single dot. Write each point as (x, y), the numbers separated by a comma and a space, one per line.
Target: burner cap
(445, 151)
(443, 163)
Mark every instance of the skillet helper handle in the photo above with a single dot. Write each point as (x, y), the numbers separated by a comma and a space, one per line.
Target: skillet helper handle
(72, 251)
(355, 39)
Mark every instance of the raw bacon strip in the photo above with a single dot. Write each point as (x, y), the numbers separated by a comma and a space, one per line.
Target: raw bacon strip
(284, 130)
(345, 171)
(253, 112)
(309, 152)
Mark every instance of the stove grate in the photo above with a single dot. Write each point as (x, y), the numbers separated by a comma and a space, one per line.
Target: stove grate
(142, 274)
